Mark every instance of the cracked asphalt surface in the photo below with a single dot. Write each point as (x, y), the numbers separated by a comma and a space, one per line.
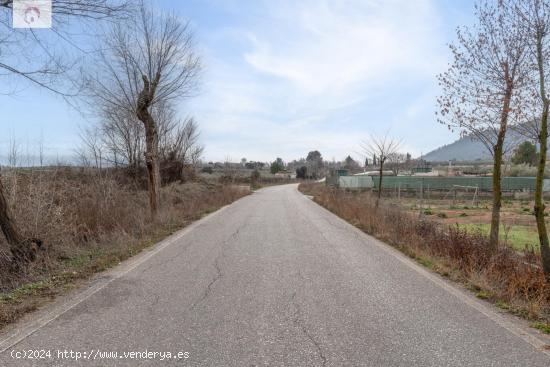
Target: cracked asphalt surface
(275, 280)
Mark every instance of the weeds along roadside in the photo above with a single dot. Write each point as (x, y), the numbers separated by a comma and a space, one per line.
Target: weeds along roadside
(89, 221)
(513, 280)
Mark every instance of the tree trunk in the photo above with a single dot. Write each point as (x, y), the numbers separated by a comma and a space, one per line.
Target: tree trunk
(497, 197)
(380, 179)
(151, 144)
(22, 250)
(539, 199)
(497, 166)
(152, 162)
(543, 141)
(380, 183)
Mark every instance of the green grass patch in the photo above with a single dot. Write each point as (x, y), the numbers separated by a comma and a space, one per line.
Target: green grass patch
(25, 290)
(425, 261)
(84, 258)
(542, 326)
(482, 294)
(520, 237)
(502, 304)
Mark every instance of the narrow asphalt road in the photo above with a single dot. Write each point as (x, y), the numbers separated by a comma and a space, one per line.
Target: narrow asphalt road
(271, 280)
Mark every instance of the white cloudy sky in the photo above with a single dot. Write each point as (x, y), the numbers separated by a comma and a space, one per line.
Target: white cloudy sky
(282, 78)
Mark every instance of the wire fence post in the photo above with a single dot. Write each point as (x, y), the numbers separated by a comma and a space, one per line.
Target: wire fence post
(421, 194)
(399, 192)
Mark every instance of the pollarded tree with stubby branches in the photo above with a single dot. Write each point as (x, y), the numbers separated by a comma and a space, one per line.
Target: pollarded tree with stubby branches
(145, 64)
(31, 56)
(483, 90)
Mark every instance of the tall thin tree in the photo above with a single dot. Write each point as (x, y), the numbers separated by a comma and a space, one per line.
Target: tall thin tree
(483, 89)
(534, 16)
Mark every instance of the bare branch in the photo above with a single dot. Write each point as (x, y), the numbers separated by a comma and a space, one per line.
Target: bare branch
(24, 54)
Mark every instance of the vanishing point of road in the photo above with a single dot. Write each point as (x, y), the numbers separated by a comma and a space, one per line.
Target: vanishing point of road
(274, 280)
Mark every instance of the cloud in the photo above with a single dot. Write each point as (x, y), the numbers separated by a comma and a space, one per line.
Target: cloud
(328, 46)
(296, 76)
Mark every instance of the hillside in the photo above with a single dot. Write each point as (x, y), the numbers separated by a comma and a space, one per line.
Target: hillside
(467, 149)
(464, 149)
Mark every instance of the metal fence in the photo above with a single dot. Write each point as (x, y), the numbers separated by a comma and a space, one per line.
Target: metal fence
(438, 183)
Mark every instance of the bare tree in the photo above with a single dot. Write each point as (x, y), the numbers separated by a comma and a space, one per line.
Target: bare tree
(182, 143)
(177, 138)
(179, 147)
(483, 89)
(383, 147)
(117, 139)
(13, 153)
(195, 155)
(145, 63)
(535, 22)
(123, 137)
(24, 55)
(396, 161)
(92, 151)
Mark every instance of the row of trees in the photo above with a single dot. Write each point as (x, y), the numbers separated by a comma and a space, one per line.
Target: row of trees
(143, 65)
(497, 82)
(313, 166)
(384, 156)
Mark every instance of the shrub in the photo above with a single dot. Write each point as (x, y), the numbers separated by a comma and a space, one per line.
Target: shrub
(254, 178)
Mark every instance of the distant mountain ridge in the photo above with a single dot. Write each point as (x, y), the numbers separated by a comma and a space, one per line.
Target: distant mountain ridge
(463, 149)
(468, 148)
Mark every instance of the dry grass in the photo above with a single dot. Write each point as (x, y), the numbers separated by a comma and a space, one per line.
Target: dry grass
(512, 279)
(89, 222)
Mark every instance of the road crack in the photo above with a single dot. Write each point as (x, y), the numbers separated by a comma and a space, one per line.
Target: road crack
(298, 322)
(217, 267)
(210, 285)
